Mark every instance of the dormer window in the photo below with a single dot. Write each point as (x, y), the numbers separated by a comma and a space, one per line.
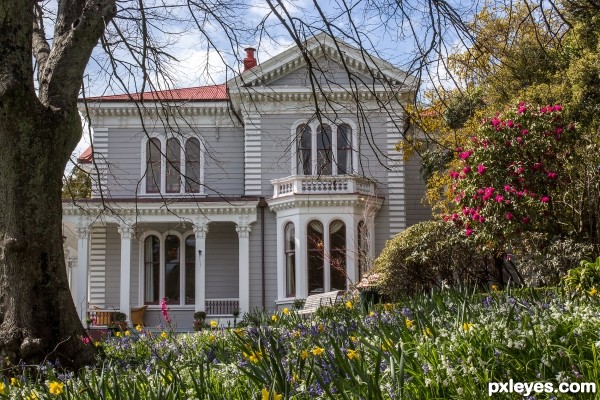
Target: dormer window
(324, 149)
(173, 166)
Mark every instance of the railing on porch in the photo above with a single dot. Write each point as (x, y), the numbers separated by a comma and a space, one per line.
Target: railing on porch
(100, 317)
(340, 184)
(222, 306)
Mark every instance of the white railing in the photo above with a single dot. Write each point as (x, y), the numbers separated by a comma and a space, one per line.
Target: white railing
(343, 184)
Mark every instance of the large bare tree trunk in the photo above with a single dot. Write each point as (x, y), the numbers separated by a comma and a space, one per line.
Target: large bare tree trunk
(38, 132)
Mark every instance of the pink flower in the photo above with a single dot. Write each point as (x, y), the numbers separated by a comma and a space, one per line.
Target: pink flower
(510, 123)
(525, 220)
(509, 216)
(465, 154)
(468, 232)
(499, 198)
(495, 121)
(524, 132)
(507, 188)
(552, 175)
(558, 107)
(85, 340)
(453, 174)
(519, 140)
(164, 309)
(544, 199)
(522, 108)
(466, 170)
(481, 169)
(520, 170)
(536, 166)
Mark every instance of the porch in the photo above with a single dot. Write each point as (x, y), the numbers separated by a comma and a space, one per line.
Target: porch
(196, 263)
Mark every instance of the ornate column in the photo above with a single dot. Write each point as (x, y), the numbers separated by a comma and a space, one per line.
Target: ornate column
(200, 231)
(243, 230)
(81, 281)
(126, 231)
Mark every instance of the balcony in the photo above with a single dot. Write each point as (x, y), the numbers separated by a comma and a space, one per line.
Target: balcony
(341, 184)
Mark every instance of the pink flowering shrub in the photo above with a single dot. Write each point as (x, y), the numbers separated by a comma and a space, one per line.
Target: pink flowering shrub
(511, 173)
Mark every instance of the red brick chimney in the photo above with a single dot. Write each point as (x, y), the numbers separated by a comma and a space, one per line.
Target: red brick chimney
(249, 61)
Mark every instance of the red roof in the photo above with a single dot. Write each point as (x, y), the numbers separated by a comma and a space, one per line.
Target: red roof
(198, 93)
(86, 157)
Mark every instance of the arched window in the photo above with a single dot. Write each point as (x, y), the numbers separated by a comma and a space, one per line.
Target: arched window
(324, 150)
(304, 134)
(315, 257)
(153, 174)
(192, 166)
(173, 166)
(344, 149)
(151, 270)
(337, 255)
(363, 249)
(290, 260)
(190, 270)
(172, 269)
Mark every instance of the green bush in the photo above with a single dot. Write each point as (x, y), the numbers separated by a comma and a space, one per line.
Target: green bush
(585, 278)
(428, 255)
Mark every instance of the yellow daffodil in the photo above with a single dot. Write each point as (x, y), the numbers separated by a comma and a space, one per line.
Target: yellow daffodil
(317, 351)
(97, 344)
(349, 304)
(2, 387)
(593, 291)
(409, 323)
(296, 334)
(388, 307)
(321, 328)
(214, 324)
(427, 332)
(352, 354)
(15, 382)
(371, 314)
(127, 333)
(286, 311)
(495, 288)
(354, 339)
(56, 387)
(212, 338)
(164, 335)
(138, 328)
(304, 354)
(118, 334)
(265, 395)
(274, 318)
(467, 326)
(254, 357)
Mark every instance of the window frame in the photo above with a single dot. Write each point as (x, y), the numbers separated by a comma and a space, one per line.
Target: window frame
(162, 236)
(314, 125)
(182, 143)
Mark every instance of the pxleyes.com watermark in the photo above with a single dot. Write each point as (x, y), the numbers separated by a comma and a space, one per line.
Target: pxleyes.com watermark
(530, 388)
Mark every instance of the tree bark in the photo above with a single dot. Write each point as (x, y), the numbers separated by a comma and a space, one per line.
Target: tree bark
(38, 132)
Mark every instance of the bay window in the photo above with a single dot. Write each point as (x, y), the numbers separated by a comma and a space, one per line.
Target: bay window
(324, 149)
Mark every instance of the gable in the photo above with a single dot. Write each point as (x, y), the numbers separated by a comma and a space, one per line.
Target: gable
(331, 58)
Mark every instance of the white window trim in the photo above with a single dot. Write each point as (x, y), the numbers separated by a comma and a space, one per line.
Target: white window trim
(163, 165)
(313, 128)
(161, 280)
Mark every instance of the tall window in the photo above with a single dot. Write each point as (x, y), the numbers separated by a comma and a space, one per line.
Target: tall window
(330, 146)
(172, 268)
(304, 149)
(173, 166)
(151, 269)
(153, 173)
(315, 257)
(180, 158)
(344, 149)
(192, 166)
(337, 255)
(190, 270)
(169, 269)
(324, 151)
(290, 260)
(363, 248)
